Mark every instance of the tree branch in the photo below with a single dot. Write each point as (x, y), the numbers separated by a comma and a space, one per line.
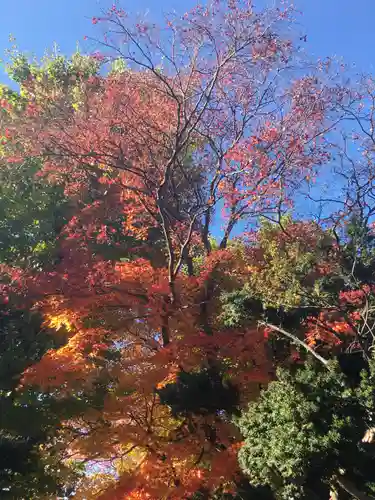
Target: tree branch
(296, 340)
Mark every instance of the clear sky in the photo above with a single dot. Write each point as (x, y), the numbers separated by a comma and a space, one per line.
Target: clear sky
(334, 27)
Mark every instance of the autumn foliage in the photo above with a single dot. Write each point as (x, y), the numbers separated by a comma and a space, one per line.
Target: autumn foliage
(212, 116)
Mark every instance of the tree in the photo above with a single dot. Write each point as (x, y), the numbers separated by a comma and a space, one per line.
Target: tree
(197, 114)
(303, 436)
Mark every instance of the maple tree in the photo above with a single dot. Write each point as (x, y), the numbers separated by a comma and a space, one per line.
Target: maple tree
(173, 332)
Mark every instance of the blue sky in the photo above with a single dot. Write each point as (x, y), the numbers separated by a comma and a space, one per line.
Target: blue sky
(334, 27)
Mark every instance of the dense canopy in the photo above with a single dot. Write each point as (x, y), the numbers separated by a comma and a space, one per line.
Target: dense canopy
(185, 312)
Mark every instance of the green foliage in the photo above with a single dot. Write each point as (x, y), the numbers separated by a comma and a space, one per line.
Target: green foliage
(283, 283)
(23, 342)
(54, 67)
(30, 419)
(238, 307)
(118, 66)
(282, 273)
(14, 98)
(20, 69)
(55, 79)
(31, 215)
(25, 418)
(305, 429)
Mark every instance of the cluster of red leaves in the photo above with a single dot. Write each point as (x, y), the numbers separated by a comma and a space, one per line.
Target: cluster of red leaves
(329, 329)
(291, 146)
(108, 136)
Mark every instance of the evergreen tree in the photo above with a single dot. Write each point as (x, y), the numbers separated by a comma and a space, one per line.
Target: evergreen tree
(304, 435)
